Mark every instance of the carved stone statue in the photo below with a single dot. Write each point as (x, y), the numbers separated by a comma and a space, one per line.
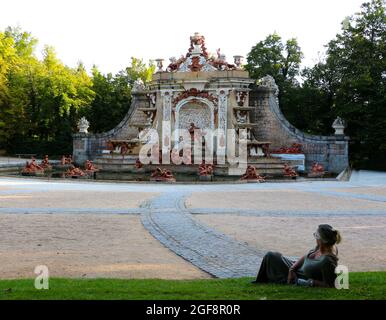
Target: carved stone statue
(32, 168)
(238, 61)
(90, 167)
(191, 129)
(149, 117)
(159, 64)
(162, 175)
(45, 164)
(251, 174)
(241, 116)
(175, 64)
(289, 172)
(205, 169)
(152, 97)
(138, 164)
(317, 170)
(83, 125)
(74, 172)
(138, 85)
(66, 160)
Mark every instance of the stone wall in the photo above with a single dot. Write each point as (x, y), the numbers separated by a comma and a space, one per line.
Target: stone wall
(89, 146)
(331, 151)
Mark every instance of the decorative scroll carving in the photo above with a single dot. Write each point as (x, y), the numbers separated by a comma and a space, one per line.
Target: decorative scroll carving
(197, 40)
(222, 109)
(222, 120)
(195, 93)
(197, 58)
(197, 113)
(269, 82)
(167, 105)
(138, 85)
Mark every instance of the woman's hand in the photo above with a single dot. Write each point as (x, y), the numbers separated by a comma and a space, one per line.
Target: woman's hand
(291, 276)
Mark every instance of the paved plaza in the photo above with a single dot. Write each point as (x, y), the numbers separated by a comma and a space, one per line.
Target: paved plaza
(138, 230)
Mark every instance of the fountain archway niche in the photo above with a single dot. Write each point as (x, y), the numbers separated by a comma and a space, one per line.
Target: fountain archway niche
(198, 111)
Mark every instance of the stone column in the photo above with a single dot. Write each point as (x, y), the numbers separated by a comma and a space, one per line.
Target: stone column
(80, 151)
(222, 117)
(166, 125)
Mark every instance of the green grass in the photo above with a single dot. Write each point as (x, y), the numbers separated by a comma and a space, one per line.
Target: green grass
(369, 285)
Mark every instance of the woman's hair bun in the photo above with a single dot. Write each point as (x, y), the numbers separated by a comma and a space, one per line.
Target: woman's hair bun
(338, 237)
(329, 235)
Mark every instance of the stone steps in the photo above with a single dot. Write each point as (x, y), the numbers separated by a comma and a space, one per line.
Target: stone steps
(265, 166)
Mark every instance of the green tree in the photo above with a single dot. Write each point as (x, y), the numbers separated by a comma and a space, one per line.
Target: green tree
(113, 94)
(358, 55)
(272, 57)
(17, 61)
(41, 100)
(352, 81)
(280, 60)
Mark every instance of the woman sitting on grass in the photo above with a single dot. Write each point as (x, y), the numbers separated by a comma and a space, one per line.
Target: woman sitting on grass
(315, 269)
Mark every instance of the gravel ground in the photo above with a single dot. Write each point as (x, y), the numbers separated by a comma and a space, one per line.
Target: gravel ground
(86, 246)
(74, 199)
(279, 200)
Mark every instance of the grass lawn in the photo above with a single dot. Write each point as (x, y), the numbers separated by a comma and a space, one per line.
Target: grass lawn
(368, 285)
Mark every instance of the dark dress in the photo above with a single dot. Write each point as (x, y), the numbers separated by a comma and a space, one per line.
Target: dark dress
(275, 267)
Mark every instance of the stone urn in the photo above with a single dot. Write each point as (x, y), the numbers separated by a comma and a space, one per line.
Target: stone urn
(83, 125)
(339, 126)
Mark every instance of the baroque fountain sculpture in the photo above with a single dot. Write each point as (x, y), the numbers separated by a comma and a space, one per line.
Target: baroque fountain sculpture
(207, 91)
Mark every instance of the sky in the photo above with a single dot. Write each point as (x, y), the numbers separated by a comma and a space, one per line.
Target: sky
(109, 33)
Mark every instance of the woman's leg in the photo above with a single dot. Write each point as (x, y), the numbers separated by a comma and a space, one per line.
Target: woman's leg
(274, 268)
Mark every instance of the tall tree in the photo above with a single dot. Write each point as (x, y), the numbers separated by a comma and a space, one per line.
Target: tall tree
(280, 60)
(40, 100)
(353, 80)
(271, 56)
(359, 56)
(113, 94)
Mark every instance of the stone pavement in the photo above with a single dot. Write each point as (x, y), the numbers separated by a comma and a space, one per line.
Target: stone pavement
(169, 221)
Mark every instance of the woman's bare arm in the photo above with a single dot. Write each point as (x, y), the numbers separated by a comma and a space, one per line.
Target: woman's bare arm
(297, 265)
(292, 271)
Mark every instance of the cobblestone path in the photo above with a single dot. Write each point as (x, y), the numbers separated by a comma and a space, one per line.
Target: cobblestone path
(219, 255)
